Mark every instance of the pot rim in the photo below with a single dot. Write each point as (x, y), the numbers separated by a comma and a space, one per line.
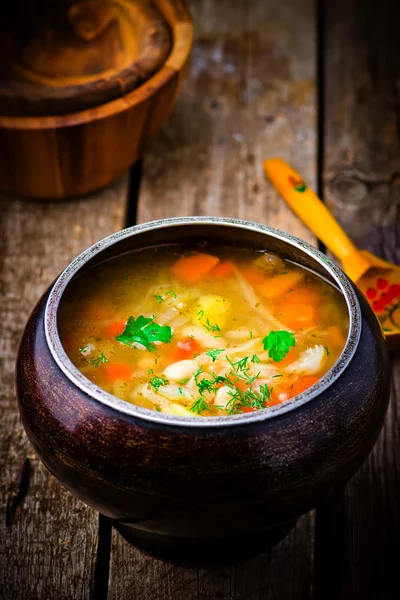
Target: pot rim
(91, 389)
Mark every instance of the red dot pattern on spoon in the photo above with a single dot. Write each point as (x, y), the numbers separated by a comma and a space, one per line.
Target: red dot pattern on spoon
(388, 294)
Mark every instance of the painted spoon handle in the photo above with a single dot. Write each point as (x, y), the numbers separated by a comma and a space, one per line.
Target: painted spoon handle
(306, 204)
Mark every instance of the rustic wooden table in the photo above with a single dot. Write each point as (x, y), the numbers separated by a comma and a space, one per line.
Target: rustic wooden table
(318, 86)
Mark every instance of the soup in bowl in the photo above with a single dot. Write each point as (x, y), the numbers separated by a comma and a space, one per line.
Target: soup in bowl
(203, 329)
(203, 382)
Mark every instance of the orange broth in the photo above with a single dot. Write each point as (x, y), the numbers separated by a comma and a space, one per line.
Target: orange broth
(205, 331)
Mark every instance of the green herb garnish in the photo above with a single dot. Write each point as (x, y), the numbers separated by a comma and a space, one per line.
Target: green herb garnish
(214, 353)
(255, 359)
(207, 325)
(144, 331)
(248, 399)
(83, 350)
(205, 385)
(199, 406)
(278, 344)
(99, 360)
(200, 314)
(162, 298)
(184, 381)
(157, 382)
(327, 351)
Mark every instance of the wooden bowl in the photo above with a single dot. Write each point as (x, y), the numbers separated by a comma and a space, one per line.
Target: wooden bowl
(65, 155)
(203, 490)
(65, 58)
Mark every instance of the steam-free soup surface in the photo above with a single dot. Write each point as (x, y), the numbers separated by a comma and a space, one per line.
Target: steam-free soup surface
(204, 331)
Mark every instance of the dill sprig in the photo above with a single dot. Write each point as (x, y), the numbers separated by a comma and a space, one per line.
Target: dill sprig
(99, 360)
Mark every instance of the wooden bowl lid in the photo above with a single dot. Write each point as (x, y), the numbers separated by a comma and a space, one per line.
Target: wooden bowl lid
(64, 57)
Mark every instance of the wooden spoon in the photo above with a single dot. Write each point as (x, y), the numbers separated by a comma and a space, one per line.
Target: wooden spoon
(378, 279)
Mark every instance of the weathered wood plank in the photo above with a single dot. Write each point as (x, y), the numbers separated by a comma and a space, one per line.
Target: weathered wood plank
(358, 535)
(50, 549)
(249, 94)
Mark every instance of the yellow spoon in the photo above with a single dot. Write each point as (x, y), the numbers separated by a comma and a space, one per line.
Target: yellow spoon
(378, 279)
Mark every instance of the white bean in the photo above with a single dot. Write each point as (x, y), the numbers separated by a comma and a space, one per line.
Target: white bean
(181, 369)
(223, 396)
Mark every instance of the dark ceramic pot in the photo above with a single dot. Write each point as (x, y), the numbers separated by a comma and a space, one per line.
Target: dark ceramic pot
(206, 490)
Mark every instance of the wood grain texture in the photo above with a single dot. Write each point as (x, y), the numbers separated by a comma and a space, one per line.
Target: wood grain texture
(73, 154)
(58, 59)
(358, 535)
(50, 549)
(249, 94)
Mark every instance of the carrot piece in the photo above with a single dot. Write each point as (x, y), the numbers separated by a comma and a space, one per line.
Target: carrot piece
(303, 295)
(274, 400)
(275, 287)
(240, 384)
(193, 268)
(254, 275)
(115, 371)
(290, 357)
(297, 316)
(114, 329)
(290, 389)
(248, 409)
(223, 270)
(187, 348)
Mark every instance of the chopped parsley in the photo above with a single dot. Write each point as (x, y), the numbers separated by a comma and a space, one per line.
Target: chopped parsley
(255, 359)
(156, 382)
(240, 368)
(83, 350)
(248, 399)
(150, 371)
(162, 298)
(250, 334)
(205, 385)
(278, 344)
(214, 353)
(207, 325)
(184, 381)
(200, 314)
(199, 406)
(199, 370)
(144, 331)
(99, 360)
